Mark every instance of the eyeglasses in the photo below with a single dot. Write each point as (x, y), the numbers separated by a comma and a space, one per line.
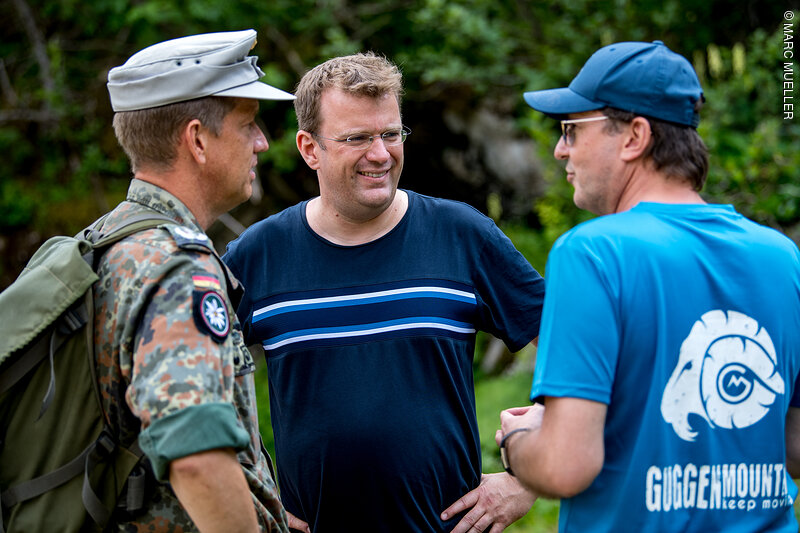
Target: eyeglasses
(568, 128)
(362, 141)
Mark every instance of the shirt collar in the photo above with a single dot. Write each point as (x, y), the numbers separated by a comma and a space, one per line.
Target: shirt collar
(158, 199)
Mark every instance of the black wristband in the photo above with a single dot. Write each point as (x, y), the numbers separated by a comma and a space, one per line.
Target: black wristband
(504, 453)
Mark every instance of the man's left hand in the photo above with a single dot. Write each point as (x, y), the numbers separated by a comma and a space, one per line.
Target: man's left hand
(497, 502)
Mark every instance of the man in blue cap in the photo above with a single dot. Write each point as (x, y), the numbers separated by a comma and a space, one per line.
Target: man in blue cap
(669, 350)
(172, 365)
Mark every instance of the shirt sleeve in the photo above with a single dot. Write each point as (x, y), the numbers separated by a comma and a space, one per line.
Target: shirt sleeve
(579, 341)
(233, 260)
(510, 291)
(182, 375)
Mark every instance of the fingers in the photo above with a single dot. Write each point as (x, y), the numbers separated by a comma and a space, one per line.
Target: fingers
(518, 411)
(462, 504)
(296, 523)
(498, 436)
(528, 416)
(482, 503)
(474, 521)
(496, 503)
(509, 422)
(497, 528)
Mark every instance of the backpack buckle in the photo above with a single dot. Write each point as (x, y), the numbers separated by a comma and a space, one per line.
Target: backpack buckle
(105, 444)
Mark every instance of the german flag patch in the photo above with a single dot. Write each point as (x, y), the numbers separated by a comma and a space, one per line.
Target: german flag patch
(206, 281)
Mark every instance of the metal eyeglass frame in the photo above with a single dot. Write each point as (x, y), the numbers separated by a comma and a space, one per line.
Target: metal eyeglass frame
(569, 137)
(352, 142)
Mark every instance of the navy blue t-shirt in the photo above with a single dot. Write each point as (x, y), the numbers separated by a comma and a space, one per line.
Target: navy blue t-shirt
(369, 350)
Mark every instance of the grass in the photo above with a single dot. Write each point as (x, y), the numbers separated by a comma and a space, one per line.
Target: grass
(492, 396)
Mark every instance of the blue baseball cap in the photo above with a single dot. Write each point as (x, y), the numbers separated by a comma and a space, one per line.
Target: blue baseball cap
(648, 79)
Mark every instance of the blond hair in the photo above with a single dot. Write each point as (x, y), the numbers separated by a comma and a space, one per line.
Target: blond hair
(363, 74)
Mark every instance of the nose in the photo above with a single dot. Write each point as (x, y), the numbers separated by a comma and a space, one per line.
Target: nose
(561, 150)
(260, 143)
(377, 151)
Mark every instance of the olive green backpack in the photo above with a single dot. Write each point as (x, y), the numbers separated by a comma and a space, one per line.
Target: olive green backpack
(61, 468)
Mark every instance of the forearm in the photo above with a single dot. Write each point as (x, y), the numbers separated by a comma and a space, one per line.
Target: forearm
(560, 457)
(539, 467)
(212, 488)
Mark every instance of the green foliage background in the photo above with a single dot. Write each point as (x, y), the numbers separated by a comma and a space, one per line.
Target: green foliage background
(62, 166)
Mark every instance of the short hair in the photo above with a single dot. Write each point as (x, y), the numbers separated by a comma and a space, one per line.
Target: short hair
(363, 74)
(676, 150)
(150, 136)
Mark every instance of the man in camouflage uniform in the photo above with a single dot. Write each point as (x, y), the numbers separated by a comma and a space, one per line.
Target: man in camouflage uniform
(173, 368)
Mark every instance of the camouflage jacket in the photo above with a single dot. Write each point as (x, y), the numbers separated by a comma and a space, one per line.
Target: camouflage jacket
(173, 368)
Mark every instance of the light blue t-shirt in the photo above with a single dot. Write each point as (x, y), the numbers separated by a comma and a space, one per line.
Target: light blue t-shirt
(684, 320)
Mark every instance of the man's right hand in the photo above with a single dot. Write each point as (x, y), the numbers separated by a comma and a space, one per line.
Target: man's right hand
(297, 524)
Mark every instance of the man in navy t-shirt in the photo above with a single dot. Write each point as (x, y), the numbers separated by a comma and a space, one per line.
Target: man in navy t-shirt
(670, 341)
(367, 300)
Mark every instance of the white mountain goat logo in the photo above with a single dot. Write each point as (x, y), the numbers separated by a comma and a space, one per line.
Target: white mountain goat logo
(726, 373)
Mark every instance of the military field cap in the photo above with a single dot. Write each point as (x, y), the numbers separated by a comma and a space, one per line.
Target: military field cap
(188, 68)
(644, 78)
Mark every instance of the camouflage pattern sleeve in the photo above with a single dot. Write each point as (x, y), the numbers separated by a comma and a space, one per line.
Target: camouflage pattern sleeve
(180, 354)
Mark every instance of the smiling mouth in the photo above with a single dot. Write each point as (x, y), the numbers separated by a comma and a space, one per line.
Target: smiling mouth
(374, 174)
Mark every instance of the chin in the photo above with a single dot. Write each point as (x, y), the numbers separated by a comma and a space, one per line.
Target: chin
(378, 198)
(247, 191)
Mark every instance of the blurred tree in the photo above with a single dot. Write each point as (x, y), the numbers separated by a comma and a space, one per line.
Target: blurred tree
(466, 63)
(755, 152)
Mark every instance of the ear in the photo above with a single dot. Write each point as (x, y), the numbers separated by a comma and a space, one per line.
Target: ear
(308, 149)
(637, 139)
(195, 138)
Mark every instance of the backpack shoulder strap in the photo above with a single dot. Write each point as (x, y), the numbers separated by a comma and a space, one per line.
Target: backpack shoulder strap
(133, 225)
(100, 241)
(57, 270)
